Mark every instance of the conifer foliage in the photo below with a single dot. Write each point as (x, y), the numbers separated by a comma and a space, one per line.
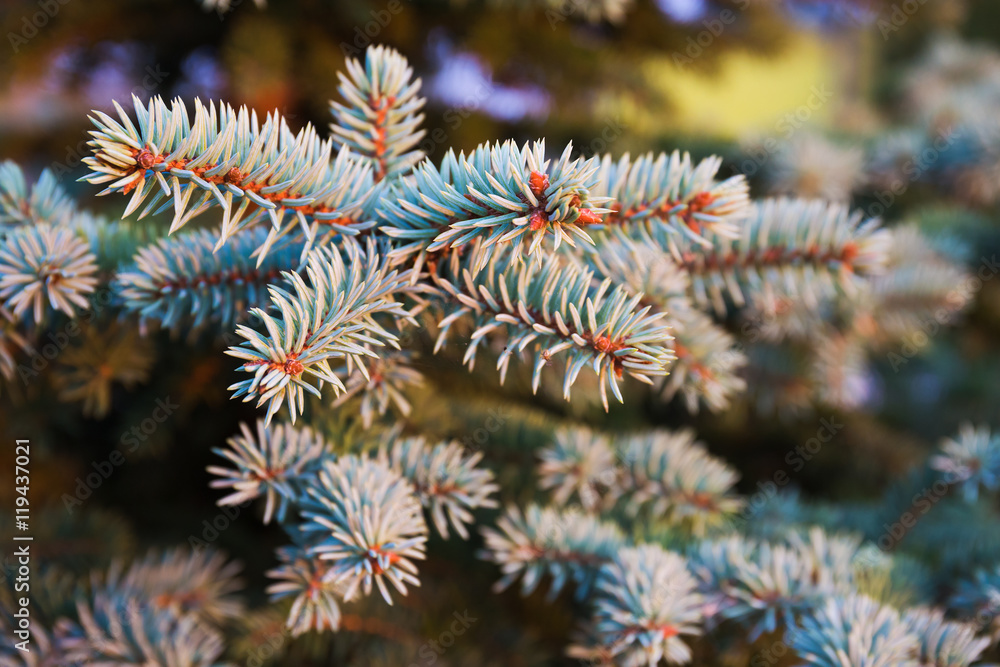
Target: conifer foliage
(335, 263)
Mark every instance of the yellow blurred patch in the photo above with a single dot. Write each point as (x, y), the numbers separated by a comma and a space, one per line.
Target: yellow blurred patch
(748, 94)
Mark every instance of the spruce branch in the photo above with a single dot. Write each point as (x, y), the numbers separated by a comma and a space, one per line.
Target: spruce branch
(446, 479)
(332, 317)
(837, 368)
(381, 384)
(161, 610)
(183, 281)
(676, 477)
(920, 284)
(707, 370)
(666, 198)
(760, 584)
(977, 599)
(184, 582)
(43, 266)
(368, 521)
(810, 165)
(227, 158)
(380, 120)
(854, 630)
(945, 643)
(971, 461)
(667, 473)
(276, 462)
(115, 242)
(500, 195)
(803, 249)
(556, 307)
(477, 240)
(645, 601)
(313, 583)
(47, 646)
(580, 464)
(100, 358)
(122, 630)
(707, 363)
(568, 545)
(45, 201)
(641, 267)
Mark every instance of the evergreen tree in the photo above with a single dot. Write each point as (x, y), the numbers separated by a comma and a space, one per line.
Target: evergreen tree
(342, 274)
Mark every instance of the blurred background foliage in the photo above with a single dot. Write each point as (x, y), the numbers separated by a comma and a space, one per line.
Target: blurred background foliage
(658, 78)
